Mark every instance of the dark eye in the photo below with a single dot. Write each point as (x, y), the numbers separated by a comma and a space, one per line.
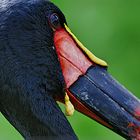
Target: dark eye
(54, 21)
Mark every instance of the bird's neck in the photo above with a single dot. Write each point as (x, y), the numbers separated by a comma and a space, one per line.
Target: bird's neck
(37, 117)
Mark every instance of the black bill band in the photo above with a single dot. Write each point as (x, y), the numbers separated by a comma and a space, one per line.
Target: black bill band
(108, 99)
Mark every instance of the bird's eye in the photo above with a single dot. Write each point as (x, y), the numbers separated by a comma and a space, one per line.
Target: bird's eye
(54, 21)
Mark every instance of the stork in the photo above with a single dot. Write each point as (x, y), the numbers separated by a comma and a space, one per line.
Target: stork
(42, 62)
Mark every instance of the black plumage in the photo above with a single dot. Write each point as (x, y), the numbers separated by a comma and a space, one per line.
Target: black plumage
(30, 73)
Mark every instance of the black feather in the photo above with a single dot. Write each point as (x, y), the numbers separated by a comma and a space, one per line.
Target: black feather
(30, 73)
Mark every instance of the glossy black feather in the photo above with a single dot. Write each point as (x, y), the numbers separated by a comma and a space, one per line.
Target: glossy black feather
(30, 73)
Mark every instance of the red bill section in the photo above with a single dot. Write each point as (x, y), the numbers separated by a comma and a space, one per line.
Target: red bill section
(73, 61)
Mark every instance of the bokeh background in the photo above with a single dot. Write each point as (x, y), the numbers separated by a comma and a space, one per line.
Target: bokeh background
(111, 30)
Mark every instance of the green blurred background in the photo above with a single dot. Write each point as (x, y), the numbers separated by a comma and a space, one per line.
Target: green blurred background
(111, 30)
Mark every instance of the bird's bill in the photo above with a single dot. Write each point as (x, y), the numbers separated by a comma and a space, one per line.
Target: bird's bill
(93, 91)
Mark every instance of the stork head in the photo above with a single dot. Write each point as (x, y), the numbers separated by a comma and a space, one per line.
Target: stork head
(59, 60)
